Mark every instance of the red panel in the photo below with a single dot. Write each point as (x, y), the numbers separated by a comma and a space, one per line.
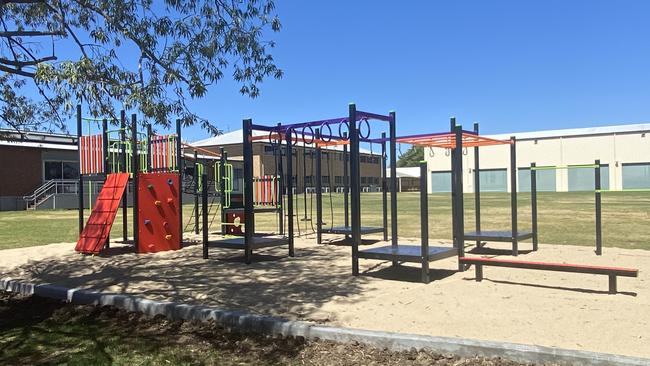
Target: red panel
(95, 233)
(158, 207)
(232, 218)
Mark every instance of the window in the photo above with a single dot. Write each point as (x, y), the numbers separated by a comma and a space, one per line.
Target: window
(269, 150)
(60, 170)
(376, 180)
(440, 182)
(636, 175)
(308, 180)
(583, 179)
(238, 179)
(363, 180)
(493, 180)
(363, 158)
(545, 180)
(338, 179)
(325, 179)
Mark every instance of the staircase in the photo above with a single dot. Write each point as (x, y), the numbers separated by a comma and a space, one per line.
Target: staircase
(49, 189)
(97, 229)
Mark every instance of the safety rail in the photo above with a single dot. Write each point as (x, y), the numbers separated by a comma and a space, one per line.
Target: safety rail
(49, 188)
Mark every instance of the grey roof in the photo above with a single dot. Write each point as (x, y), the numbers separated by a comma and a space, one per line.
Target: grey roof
(43, 140)
(573, 132)
(236, 137)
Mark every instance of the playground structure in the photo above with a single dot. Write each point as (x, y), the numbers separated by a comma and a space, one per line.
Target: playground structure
(152, 163)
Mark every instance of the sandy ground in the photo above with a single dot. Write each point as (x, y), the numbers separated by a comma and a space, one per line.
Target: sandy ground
(554, 309)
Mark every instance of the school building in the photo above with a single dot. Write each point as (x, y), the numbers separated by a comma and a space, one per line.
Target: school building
(623, 151)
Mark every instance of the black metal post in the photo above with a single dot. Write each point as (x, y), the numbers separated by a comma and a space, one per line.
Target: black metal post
(196, 192)
(393, 181)
(180, 166)
(135, 166)
(599, 232)
(355, 187)
(319, 194)
(346, 185)
(204, 214)
(513, 195)
(533, 203)
(222, 188)
(304, 180)
(125, 200)
(289, 157)
(424, 222)
(452, 158)
(384, 186)
(280, 172)
(80, 188)
(477, 189)
(105, 166)
(457, 172)
(249, 214)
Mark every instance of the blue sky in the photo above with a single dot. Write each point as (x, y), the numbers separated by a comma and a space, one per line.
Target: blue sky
(510, 65)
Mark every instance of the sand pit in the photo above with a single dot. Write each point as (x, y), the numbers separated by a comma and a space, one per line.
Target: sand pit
(523, 306)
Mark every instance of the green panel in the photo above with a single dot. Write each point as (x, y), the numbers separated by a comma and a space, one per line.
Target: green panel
(440, 182)
(545, 180)
(583, 179)
(636, 176)
(494, 180)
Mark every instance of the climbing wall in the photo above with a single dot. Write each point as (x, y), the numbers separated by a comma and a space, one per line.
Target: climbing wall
(158, 208)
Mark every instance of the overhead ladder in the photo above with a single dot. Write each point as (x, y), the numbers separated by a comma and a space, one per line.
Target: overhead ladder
(98, 227)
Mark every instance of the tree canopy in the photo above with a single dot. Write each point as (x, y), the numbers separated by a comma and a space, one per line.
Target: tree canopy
(411, 157)
(144, 55)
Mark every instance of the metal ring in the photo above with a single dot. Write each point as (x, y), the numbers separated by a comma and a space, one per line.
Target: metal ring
(465, 151)
(341, 133)
(447, 151)
(311, 131)
(359, 131)
(329, 135)
(431, 152)
(272, 139)
(290, 131)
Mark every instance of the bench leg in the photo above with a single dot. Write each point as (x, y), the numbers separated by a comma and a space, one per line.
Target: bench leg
(612, 284)
(479, 272)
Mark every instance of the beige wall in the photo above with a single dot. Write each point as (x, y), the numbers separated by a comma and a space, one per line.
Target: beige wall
(612, 149)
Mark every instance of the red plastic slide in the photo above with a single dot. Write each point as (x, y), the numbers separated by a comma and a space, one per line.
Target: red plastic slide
(95, 233)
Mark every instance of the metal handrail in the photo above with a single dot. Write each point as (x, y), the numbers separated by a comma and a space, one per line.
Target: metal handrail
(47, 187)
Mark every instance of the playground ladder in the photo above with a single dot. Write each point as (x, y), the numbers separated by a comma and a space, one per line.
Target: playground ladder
(97, 229)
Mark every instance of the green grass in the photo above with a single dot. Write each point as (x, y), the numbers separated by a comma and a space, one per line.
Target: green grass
(564, 218)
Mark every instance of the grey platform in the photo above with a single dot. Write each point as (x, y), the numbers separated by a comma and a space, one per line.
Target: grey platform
(497, 235)
(347, 230)
(407, 253)
(257, 242)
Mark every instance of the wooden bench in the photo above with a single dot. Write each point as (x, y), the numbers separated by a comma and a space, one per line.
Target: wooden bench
(612, 272)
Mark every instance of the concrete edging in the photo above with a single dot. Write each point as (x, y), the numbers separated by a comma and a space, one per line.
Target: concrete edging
(242, 321)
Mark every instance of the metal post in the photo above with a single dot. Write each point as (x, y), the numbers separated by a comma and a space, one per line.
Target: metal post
(319, 194)
(533, 203)
(424, 222)
(393, 181)
(477, 189)
(346, 185)
(452, 158)
(125, 200)
(204, 215)
(384, 186)
(180, 166)
(105, 160)
(249, 214)
(304, 180)
(513, 195)
(289, 189)
(457, 172)
(280, 172)
(222, 188)
(599, 232)
(135, 169)
(80, 189)
(196, 192)
(354, 187)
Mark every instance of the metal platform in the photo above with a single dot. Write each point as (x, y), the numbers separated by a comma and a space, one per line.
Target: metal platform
(496, 235)
(347, 230)
(407, 253)
(257, 242)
